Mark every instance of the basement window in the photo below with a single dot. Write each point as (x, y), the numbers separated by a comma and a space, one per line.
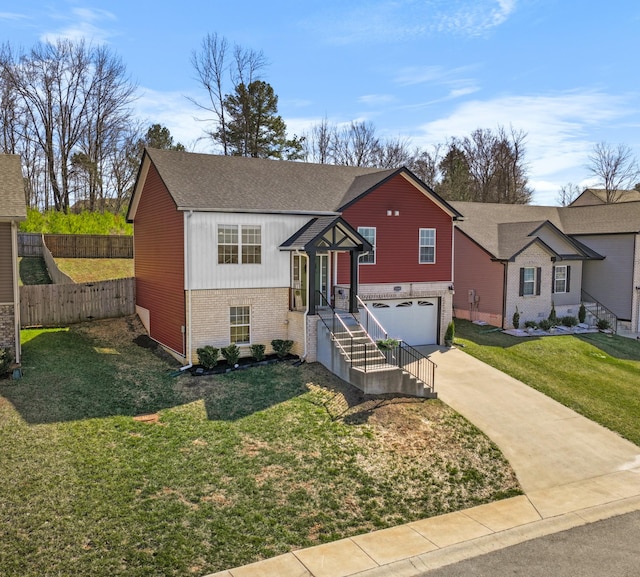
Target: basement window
(240, 325)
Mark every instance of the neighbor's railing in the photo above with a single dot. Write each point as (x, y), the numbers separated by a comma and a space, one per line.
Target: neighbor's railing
(598, 310)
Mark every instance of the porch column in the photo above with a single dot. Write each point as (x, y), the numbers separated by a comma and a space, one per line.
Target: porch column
(311, 281)
(353, 303)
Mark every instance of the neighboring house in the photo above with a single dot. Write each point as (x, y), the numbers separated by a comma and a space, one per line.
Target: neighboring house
(231, 249)
(12, 211)
(531, 257)
(591, 196)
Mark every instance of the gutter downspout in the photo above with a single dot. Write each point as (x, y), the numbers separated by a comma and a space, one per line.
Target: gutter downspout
(187, 246)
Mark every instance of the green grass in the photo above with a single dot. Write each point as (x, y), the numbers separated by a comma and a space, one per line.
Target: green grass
(597, 375)
(83, 270)
(32, 270)
(230, 469)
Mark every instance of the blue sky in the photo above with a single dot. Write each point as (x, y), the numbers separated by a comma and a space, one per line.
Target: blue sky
(563, 71)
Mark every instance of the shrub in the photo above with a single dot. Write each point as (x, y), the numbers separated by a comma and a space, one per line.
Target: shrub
(281, 347)
(531, 324)
(450, 334)
(516, 319)
(208, 356)
(6, 358)
(569, 321)
(257, 352)
(387, 344)
(231, 354)
(603, 324)
(552, 315)
(582, 313)
(545, 324)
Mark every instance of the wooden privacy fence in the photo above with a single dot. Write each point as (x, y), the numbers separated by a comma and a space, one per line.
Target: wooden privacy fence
(89, 245)
(57, 305)
(76, 245)
(29, 244)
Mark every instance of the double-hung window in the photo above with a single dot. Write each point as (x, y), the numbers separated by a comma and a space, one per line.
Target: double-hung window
(561, 278)
(240, 325)
(529, 281)
(239, 244)
(369, 234)
(427, 246)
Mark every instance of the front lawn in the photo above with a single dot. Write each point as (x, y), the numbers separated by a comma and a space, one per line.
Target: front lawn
(83, 270)
(597, 375)
(112, 465)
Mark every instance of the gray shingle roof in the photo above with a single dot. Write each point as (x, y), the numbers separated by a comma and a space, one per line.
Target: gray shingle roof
(208, 182)
(12, 201)
(486, 223)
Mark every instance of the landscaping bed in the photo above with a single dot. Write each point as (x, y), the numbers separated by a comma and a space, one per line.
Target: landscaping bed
(114, 463)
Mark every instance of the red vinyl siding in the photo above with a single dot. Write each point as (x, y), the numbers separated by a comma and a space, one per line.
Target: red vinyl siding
(475, 270)
(397, 237)
(159, 262)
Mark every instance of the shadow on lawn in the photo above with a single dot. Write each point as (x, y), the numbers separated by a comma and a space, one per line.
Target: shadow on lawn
(70, 375)
(618, 347)
(487, 335)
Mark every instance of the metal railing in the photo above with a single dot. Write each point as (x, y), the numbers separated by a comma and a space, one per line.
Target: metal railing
(412, 361)
(363, 352)
(370, 322)
(598, 310)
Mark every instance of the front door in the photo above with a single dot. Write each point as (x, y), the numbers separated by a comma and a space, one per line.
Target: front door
(322, 276)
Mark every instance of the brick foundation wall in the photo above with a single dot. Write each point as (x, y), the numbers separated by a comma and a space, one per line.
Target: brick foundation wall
(270, 318)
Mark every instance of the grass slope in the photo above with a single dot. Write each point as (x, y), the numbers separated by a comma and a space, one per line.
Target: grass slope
(83, 270)
(223, 471)
(597, 375)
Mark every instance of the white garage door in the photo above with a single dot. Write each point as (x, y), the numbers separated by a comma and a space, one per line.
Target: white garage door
(415, 321)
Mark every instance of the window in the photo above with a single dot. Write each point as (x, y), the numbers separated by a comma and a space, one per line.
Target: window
(561, 279)
(530, 281)
(239, 244)
(427, 246)
(369, 234)
(240, 323)
(251, 245)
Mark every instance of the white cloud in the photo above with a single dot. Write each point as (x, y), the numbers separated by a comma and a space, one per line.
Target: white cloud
(559, 131)
(12, 16)
(173, 110)
(83, 23)
(397, 20)
(376, 99)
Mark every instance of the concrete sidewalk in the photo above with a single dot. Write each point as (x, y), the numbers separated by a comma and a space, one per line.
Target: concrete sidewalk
(572, 471)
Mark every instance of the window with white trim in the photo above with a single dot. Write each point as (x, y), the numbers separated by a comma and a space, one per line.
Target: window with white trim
(240, 325)
(369, 234)
(529, 281)
(560, 278)
(427, 246)
(239, 243)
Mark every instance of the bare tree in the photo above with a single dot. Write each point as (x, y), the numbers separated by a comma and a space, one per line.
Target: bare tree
(393, 153)
(568, 193)
(615, 167)
(318, 141)
(220, 77)
(425, 164)
(72, 100)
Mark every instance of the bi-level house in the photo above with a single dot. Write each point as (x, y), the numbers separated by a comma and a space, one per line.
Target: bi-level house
(536, 257)
(242, 250)
(12, 211)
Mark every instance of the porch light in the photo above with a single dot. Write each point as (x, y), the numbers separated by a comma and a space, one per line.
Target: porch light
(389, 212)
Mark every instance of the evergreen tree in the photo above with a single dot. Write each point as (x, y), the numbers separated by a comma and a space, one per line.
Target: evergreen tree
(253, 126)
